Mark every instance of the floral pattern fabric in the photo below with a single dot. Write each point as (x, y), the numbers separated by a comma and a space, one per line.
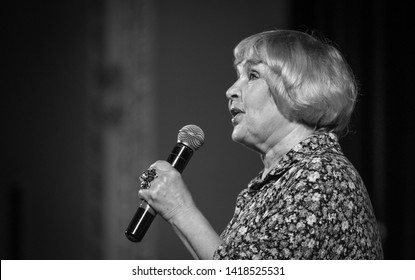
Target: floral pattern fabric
(312, 205)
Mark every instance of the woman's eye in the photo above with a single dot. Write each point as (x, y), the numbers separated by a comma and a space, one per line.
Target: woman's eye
(253, 75)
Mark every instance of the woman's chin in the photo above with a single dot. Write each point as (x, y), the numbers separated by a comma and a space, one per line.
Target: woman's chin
(237, 135)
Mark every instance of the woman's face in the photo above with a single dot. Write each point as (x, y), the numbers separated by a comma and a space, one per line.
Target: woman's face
(257, 122)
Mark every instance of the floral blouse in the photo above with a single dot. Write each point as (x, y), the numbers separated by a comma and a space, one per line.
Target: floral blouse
(312, 205)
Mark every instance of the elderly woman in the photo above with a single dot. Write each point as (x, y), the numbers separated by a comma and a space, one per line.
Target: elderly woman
(293, 96)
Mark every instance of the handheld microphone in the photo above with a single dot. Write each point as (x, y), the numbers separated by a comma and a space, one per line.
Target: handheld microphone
(189, 139)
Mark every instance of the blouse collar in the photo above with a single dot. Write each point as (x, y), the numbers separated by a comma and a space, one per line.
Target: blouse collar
(318, 143)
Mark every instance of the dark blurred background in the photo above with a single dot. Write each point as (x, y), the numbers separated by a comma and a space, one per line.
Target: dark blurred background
(95, 91)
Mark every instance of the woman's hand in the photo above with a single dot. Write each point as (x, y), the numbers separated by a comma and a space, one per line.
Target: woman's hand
(168, 194)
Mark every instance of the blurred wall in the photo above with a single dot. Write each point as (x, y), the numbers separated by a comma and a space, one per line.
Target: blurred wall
(43, 160)
(121, 123)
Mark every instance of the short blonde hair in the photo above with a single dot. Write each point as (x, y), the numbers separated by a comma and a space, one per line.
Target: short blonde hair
(310, 80)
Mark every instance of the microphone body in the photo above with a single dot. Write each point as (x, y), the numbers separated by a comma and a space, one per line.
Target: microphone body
(190, 138)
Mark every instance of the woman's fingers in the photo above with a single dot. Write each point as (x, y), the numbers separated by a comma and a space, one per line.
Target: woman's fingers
(144, 194)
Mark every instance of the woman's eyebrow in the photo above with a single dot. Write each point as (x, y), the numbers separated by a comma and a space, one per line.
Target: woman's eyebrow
(247, 64)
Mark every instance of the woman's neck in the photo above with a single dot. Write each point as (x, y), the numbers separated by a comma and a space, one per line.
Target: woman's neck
(274, 153)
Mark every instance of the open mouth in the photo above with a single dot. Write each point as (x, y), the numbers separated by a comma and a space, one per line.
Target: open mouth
(235, 111)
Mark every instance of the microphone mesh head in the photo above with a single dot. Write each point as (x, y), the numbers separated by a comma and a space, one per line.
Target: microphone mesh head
(192, 136)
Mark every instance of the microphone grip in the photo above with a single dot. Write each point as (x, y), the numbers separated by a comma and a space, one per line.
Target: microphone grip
(141, 222)
(145, 214)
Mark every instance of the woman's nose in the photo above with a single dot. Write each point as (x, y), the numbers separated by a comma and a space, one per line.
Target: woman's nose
(234, 91)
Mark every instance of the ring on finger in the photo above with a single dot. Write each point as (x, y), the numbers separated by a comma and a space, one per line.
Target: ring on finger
(146, 178)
